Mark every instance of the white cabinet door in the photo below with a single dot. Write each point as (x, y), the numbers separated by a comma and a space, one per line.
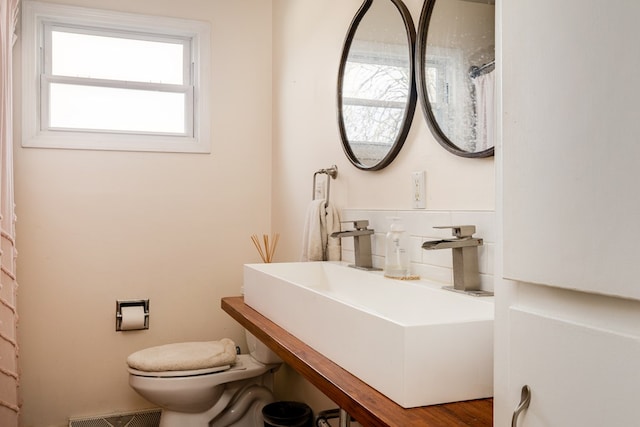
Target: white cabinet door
(578, 375)
(570, 208)
(571, 144)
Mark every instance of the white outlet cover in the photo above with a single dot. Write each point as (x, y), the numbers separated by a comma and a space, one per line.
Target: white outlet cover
(419, 190)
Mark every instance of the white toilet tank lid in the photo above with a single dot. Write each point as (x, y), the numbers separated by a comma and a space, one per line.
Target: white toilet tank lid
(186, 356)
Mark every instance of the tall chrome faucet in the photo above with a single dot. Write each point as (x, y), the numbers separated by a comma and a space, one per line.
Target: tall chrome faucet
(361, 243)
(466, 273)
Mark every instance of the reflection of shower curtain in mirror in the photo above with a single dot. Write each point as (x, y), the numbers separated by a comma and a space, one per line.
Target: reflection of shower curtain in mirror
(485, 120)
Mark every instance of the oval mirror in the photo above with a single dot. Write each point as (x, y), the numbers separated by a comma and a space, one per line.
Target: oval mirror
(376, 88)
(455, 56)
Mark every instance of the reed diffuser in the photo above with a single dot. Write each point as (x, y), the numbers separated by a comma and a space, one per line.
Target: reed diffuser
(270, 244)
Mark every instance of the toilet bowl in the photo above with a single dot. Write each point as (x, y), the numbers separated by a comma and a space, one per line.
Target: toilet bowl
(227, 395)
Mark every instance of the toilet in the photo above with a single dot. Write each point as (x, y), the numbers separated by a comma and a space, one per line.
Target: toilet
(200, 384)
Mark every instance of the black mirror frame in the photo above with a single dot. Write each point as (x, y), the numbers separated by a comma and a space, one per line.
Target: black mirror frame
(411, 99)
(420, 59)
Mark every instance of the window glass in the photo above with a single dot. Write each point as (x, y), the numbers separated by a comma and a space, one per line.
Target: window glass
(113, 109)
(116, 58)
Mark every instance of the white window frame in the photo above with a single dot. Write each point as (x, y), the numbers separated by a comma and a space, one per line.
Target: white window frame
(38, 18)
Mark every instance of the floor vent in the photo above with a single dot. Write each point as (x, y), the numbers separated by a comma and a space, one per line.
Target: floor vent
(131, 419)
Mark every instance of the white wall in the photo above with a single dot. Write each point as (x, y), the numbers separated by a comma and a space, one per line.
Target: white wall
(94, 227)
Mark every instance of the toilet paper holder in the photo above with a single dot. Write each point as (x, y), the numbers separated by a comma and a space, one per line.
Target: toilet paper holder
(132, 303)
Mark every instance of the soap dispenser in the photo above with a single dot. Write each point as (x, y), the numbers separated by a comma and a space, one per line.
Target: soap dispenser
(396, 263)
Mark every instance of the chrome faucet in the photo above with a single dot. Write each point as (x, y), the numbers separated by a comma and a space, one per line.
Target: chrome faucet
(466, 273)
(361, 243)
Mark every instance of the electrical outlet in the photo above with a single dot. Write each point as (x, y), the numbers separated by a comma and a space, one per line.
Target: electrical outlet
(419, 189)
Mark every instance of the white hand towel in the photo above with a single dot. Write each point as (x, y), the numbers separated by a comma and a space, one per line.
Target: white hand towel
(334, 249)
(319, 223)
(312, 249)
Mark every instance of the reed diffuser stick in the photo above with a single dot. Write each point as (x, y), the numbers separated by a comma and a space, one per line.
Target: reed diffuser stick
(265, 239)
(274, 243)
(269, 249)
(256, 243)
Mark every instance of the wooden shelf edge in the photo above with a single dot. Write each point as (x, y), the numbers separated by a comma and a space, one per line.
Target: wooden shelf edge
(365, 404)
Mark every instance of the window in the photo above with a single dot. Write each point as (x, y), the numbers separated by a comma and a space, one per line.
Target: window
(113, 81)
(376, 86)
(448, 85)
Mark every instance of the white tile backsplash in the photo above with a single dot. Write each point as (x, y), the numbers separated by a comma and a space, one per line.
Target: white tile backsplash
(431, 265)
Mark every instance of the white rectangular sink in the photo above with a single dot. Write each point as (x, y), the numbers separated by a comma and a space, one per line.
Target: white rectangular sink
(410, 340)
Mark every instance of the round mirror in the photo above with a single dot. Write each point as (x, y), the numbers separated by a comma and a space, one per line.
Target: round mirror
(455, 56)
(376, 89)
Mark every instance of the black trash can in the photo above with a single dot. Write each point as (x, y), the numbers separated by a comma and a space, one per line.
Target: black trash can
(287, 414)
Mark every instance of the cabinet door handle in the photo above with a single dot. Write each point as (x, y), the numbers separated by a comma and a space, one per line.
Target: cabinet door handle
(525, 399)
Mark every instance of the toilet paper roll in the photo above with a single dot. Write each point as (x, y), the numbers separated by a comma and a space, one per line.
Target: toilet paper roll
(132, 318)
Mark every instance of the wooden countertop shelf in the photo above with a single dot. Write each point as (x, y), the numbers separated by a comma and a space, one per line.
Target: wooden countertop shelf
(365, 404)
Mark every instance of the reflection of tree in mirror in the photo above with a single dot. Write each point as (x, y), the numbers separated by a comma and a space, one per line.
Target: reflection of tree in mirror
(374, 99)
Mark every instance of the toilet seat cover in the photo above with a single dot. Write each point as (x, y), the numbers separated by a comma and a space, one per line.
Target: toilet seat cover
(184, 356)
(174, 374)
